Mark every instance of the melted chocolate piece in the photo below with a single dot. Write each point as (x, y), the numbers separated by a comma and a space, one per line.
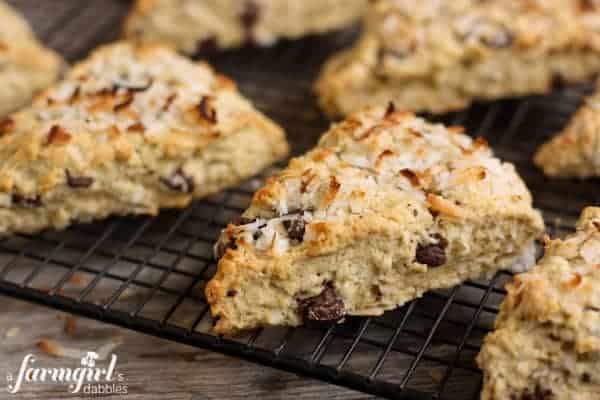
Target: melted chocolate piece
(179, 182)
(295, 228)
(27, 202)
(326, 306)
(79, 182)
(432, 255)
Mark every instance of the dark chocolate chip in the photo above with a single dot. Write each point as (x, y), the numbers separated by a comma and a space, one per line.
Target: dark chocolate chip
(27, 202)
(79, 182)
(586, 377)
(432, 255)
(222, 247)
(295, 228)
(207, 111)
(250, 15)
(256, 235)
(326, 306)
(537, 394)
(179, 182)
(232, 293)
(208, 45)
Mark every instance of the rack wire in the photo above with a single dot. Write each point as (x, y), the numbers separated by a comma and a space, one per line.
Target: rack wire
(148, 274)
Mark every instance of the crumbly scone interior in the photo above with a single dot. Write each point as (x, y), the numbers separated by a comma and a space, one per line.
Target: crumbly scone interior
(26, 66)
(385, 208)
(130, 130)
(575, 152)
(193, 25)
(440, 56)
(547, 337)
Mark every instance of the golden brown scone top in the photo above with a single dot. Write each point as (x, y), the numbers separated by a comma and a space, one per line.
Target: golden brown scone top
(563, 288)
(403, 35)
(575, 152)
(26, 66)
(125, 104)
(379, 170)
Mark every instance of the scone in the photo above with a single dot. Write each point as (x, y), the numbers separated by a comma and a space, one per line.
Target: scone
(130, 130)
(546, 345)
(439, 56)
(25, 66)
(386, 207)
(575, 152)
(195, 25)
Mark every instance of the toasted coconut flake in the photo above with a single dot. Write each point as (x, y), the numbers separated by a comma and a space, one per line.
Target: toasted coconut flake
(411, 176)
(58, 135)
(56, 349)
(442, 206)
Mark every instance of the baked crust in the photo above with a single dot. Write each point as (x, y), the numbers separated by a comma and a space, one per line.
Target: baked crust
(26, 66)
(439, 56)
(196, 25)
(575, 152)
(547, 337)
(130, 130)
(386, 207)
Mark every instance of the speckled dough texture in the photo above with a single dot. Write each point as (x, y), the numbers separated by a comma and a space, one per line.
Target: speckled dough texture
(575, 152)
(546, 345)
(26, 67)
(386, 207)
(196, 25)
(130, 130)
(439, 56)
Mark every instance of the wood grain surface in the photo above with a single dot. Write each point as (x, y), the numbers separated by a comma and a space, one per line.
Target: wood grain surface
(154, 369)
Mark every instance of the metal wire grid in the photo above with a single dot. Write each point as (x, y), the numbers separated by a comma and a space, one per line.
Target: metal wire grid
(148, 274)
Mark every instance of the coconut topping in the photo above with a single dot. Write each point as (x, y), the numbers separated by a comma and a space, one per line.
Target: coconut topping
(353, 175)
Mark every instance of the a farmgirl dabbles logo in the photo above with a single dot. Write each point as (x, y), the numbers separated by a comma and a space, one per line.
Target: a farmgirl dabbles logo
(88, 378)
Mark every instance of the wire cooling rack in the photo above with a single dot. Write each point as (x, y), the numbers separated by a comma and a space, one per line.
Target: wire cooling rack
(148, 274)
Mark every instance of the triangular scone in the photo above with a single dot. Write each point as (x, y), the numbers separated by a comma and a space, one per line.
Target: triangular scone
(547, 339)
(130, 130)
(196, 25)
(386, 207)
(575, 152)
(25, 66)
(438, 56)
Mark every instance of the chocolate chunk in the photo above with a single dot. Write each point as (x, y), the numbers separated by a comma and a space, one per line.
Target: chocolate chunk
(206, 109)
(179, 182)
(295, 228)
(232, 293)
(537, 394)
(208, 45)
(432, 255)
(27, 202)
(119, 84)
(221, 247)
(250, 15)
(326, 306)
(79, 182)
(586, 377)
